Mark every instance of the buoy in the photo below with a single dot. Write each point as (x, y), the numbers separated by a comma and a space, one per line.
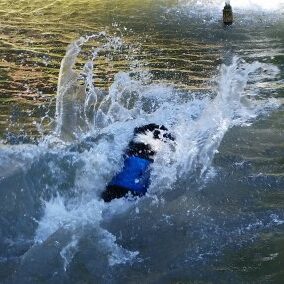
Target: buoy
(227, 14)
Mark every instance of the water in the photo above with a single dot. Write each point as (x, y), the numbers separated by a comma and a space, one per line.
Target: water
(214, 210)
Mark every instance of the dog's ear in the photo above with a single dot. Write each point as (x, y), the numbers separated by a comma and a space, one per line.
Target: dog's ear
(162, 127)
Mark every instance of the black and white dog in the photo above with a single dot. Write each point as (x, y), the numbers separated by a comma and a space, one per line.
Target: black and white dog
(134, 178)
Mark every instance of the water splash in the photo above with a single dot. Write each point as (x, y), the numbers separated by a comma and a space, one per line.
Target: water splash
(202, 123)
(75, 100)
(98, 125)
(198, 122)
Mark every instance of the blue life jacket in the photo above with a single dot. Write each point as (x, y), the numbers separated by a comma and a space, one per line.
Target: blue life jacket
(135, 175)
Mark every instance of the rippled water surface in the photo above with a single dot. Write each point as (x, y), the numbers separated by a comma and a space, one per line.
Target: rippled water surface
(76, 77)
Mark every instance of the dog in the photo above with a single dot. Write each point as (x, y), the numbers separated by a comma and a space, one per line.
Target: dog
(134, 178)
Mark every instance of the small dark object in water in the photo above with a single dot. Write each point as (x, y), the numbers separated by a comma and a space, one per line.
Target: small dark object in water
(134, 178)
(227, 14)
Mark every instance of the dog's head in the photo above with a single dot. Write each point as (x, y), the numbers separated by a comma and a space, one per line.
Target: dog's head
(148, 139)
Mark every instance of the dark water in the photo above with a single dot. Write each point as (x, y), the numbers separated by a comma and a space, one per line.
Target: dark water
(214, 213)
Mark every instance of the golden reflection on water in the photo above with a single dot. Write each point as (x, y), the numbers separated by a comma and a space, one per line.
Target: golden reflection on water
(166, 42)
(36, 34)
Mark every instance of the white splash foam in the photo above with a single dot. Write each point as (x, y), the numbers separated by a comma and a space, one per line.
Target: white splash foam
(117, 254)
(69, 214)
(68, 252)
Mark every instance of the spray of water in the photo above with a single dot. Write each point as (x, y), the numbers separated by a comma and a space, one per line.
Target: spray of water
(198, 121)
